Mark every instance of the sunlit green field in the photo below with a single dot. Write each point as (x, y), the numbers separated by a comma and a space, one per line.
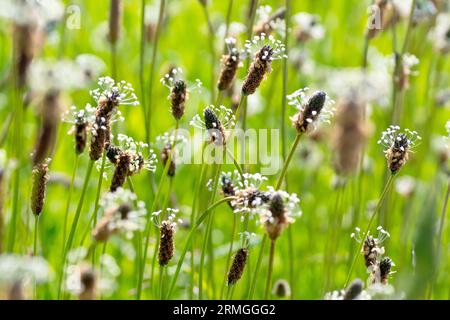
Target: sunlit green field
(315, 253)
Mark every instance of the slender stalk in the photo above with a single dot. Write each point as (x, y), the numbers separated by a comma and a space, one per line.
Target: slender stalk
(288, 160)
(5, 128)
(257, 267)
(269, 273)
(113, 48)
(161, 282)
(69, 243)
(69, 198)
(36, 230)
(192, 219)
(366, 233)
(442, 222)
(211, 49)
(148, 226)
(238, 167)
(141, 70)
(207, 240)
(202, 217)
(162, 5)
(230, 251)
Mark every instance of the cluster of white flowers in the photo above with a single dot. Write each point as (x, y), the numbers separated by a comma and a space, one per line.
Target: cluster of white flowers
(291, 204)
(258, 42)
(129, 144)
(173, 76)
(308, 26)
(393, 136)
(223, 114)
(169, 215)
(298, 99)
(121, 91)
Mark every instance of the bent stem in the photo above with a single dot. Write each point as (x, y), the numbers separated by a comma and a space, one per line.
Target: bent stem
(366, 233)
(202, 217)
(288, 160)
(69, 243)
(269, 273)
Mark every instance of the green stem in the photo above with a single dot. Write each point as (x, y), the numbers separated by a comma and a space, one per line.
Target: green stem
(162, 5)
(211, 49)
(269, 273)
(288, 160)
(69, 198)
(230, 251)
(207, 240)
(238, 167)
(257, 267)
(69, 243)
(141, 70)
(366, 233)
(199, 221)
(36, 230)
(148, 226)
(442, 222)
(193, 217)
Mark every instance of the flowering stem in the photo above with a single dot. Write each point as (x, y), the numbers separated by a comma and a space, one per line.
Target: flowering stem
(208, 241)
(269, 273)
(148, 225)
(193, 211)
(199, 221)
(238, 109)
(141, 69)
(211, 49)
(69, 198)
(36, 230)
(230, 251)
(257, 267)
(288, 160)
(366, 233)
(238, 167)
(69, 243)
(162, 5)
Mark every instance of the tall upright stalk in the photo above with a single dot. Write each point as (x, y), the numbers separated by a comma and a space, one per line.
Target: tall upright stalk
(199, 221)
(69, 243)
(257, 267)
(211, 50)
(230, 252)
(269, 273)
(162, 6)
(141, 70)
(288, 160)
(36, 230)
(366, 232)
(69, 197)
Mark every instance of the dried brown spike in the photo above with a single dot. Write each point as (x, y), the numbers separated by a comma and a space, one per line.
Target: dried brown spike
(278, 211)
(113, 153)
(88, 283)
(304, 118)
(101, 130)
(16, 291)
(165, 153)
(258, 69)
(51, 111)
(178, 97)
(398, 154)
(40, 178)
(385, 270)
(230, 63)
(238, 266)
(115, 19)
(80, 134)
(121, 172)
(166, 245)
(349, 135)
(370, 251)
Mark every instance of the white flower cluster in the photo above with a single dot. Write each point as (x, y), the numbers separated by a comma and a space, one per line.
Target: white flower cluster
(393, 136)
(122, 92)
(258, 42)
